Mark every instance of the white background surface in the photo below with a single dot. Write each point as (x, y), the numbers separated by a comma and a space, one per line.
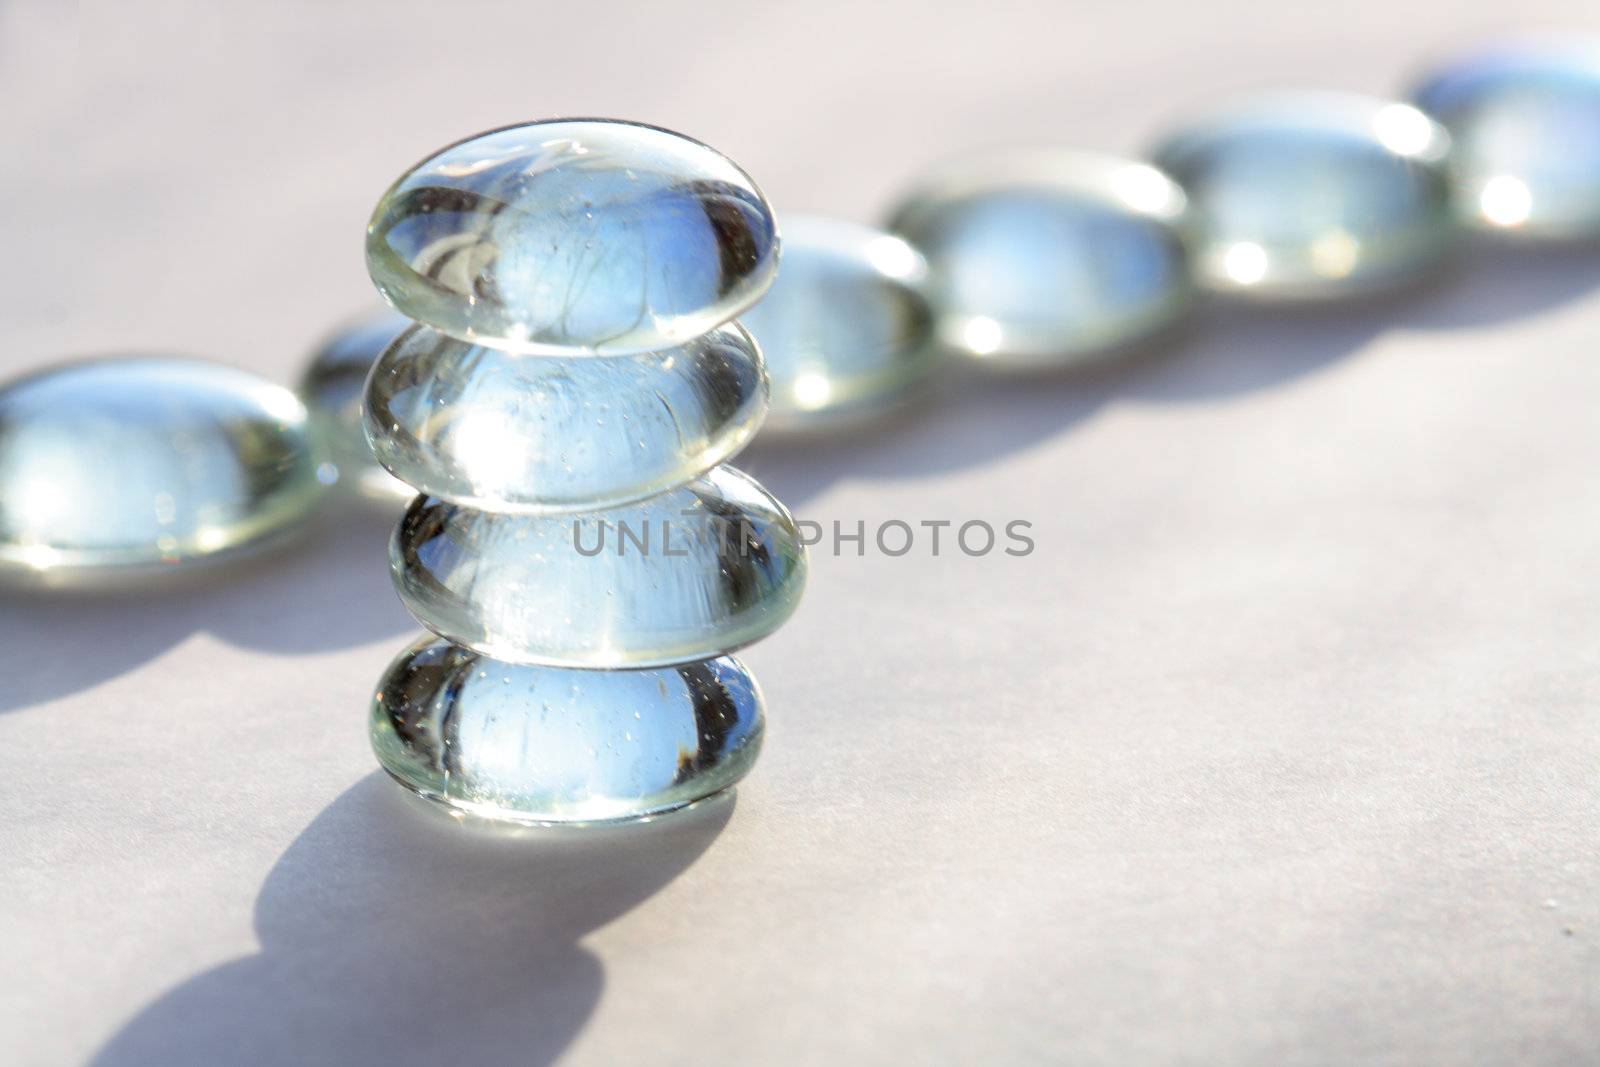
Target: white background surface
(1283, 748)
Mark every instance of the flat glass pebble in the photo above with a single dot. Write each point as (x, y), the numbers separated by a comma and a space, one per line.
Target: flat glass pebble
(1306, 196)
(122, 465)
(553, 745)
(691, 573)
(1049, 258)
(573, 236)
(845, 329)
(331, 388)
(505, 432)
(1526, 125)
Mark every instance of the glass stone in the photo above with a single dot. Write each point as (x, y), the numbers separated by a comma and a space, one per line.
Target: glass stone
(573, 236)
(505, 432)
(1307, 196)
(691, 573)
(1526, 125)
(845, 330)
(553, 745)
(1049, 258)
(123, 465)
(331, 388)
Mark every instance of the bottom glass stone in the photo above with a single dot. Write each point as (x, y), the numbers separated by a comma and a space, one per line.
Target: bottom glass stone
(535, 744)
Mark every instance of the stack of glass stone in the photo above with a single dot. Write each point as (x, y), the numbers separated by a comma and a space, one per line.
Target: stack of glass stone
(563, 403)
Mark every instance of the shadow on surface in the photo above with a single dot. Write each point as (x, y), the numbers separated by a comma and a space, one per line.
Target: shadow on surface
(1230, 349)
(1502, 283)
(327, 590)
(390, 934)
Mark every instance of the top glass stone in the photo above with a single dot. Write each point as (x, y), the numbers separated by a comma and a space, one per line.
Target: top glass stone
(574, 236)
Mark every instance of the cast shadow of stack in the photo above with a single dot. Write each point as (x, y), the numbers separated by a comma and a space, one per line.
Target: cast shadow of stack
(391, 935)
(329, 589)
(1229, 349)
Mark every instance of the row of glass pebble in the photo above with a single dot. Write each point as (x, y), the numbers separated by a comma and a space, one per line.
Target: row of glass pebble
(110, 468)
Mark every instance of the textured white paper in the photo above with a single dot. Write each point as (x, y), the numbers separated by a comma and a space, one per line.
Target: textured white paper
(1283, 747)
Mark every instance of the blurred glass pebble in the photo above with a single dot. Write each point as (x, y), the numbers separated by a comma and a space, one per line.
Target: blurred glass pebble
(332, 387)
(506, 432)
(553, 745)
(690, 573)
(1314, 195)
(845, 329)
(1525, 120)
(1049, 258)
(118, 466)
(573, 236)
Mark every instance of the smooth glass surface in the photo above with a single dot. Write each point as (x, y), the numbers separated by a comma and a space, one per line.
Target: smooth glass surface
(506, 432)
(553, 745)
(694, 572)
(1049, 258)
(127, 464)
(1526, 125)
(331, 389)
(845, 329)
(573, 236)
(1306, 196)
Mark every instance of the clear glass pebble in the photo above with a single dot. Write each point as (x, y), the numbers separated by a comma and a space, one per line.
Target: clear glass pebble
(552, 745)
(691, 573)
(573, 236)
(124, 465)
(1526, 125)
(1049, 258)
(1307, 196)
(332, 387)
(845, 330)
(505, 432)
